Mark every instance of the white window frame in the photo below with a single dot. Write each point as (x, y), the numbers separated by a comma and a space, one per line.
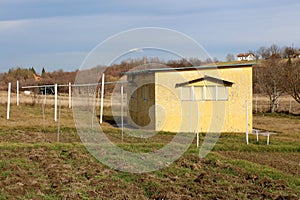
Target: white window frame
(226, 93)
(192, 96)
(196, 97)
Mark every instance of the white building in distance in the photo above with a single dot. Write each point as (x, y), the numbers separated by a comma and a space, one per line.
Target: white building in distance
(245, 57)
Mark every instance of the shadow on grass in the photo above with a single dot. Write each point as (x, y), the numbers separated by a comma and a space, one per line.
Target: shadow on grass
(114, 121)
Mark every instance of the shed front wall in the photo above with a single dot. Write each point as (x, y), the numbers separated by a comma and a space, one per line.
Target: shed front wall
(176, 115)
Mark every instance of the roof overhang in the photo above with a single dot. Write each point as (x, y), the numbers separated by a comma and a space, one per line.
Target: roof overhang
(228, 66)
(206, 78)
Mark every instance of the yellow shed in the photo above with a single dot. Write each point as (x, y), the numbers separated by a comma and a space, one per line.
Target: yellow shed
(190, 99)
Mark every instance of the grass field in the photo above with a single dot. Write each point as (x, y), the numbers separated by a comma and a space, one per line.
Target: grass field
(33, 165)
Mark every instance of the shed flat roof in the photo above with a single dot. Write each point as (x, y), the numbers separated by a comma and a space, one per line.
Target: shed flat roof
(202, 67)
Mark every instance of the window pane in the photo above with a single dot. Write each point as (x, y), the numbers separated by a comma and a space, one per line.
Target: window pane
(185, 93)
(198, 93)
(222, 93)
(210, 93)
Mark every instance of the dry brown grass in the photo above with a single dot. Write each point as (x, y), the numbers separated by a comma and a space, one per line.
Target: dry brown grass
(34, 166)
(288, 127)
(286, 104)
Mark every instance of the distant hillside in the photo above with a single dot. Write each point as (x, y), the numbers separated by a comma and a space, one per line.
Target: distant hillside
(28, 77)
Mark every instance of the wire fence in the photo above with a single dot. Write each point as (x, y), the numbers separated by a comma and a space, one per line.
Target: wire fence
(27, 96)
(285, 104)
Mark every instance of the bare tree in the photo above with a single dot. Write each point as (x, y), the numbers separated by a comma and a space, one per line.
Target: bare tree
(208, 60)
(289, 52)
(230, 57)
(263, 52)
(270, 80)
(195, 61)
(215, 60)
(275, 50)
(292, 78)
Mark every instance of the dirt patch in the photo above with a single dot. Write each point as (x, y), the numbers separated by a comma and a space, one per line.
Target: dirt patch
(67, 173)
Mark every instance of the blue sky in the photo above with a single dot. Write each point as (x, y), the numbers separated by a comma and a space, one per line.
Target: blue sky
(58, 34)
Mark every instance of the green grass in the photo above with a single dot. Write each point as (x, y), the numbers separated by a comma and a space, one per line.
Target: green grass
(237, 142)
(56, 170)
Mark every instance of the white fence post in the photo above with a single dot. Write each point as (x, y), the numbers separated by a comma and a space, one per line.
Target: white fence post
(18, 93)
(55, 102)
(8, 100)
(122, 117)
(102, 96)
(268, 138)
(70, 95)
(256, 132)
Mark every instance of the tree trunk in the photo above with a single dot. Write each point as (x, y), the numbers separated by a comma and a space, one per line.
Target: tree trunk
(272, 106)
(273, 103)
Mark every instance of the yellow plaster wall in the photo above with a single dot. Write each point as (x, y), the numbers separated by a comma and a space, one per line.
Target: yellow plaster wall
(224, 116)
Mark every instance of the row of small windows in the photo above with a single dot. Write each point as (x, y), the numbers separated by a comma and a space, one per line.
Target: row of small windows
(204, 93)
(193, 93)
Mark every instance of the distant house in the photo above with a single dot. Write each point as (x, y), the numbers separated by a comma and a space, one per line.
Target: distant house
(37, 77)
(245, 57)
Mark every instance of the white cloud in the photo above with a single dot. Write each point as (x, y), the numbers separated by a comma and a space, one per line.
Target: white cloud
(11, 25)
(17, 1)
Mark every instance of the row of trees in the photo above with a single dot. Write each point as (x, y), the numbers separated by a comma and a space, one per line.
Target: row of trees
(263, 53)
(277, 73)
(26, 76)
